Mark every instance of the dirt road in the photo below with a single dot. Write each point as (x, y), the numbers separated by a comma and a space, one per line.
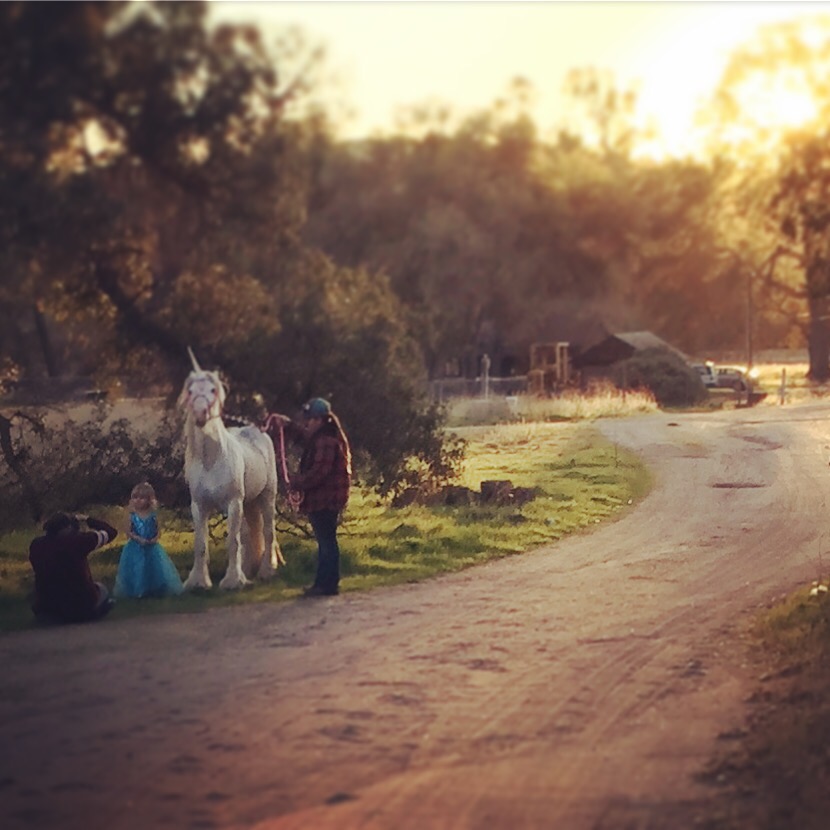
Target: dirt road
(580, 686)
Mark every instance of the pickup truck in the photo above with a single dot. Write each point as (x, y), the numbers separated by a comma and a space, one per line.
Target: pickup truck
(707, 373)
(723, 377)
(731, 377)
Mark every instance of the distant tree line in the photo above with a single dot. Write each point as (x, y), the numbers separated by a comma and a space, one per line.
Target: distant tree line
(165, 182)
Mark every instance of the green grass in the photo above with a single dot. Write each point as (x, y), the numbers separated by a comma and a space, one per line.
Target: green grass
(797, 626)
(579, 481)
(781, 759)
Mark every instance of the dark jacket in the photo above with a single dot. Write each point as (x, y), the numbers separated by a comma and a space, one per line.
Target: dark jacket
(64, 587)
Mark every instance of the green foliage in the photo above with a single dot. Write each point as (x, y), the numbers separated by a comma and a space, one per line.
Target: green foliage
(471, 237)
(138, 148)
(53, 462)
(671, 380)
(343, 337)
(180, 224)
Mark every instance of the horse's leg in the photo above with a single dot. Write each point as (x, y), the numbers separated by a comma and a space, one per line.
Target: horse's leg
(234, 578)
(251, 539)
(199, 576)
(273, 555)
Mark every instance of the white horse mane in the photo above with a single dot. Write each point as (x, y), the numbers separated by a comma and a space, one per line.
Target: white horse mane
(231, 471)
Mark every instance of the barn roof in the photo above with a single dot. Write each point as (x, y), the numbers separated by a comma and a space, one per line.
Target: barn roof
(621, 346)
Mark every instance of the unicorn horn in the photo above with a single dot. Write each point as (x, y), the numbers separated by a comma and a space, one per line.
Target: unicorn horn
(193, 360)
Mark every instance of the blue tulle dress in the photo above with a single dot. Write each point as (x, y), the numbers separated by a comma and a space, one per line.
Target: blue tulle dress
(145, 570)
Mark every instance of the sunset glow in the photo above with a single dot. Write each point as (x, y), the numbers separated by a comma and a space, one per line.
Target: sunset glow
(778, 103)
(389, 56)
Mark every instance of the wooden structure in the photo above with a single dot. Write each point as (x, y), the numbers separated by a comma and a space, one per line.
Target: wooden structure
(596, 362)
(550, 367)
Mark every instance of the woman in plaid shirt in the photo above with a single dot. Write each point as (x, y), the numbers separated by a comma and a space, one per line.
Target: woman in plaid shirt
(323, 483)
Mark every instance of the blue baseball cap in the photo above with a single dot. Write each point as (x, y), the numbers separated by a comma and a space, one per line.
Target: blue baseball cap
(316, 408)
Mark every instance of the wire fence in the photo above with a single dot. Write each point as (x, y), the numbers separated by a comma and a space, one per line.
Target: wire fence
(447, 388)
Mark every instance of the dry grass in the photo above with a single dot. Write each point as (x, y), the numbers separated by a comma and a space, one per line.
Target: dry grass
(796, 387)
(597, 402)
(607, 401)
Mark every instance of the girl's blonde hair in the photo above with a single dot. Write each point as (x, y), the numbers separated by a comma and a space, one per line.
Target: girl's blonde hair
(144, 490)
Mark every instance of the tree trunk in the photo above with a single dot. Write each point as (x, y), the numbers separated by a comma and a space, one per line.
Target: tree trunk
(45, 341)
(819, 340)
(13, 460)
(139, 327)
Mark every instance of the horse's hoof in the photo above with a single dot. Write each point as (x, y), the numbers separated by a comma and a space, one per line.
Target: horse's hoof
(233, 582)
(197, 584)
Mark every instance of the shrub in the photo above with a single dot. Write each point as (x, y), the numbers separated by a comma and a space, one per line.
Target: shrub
(671, 380)
(347, 340)
(51, 463)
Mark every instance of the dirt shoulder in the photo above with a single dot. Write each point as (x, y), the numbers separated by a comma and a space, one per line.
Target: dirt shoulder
(583, 685)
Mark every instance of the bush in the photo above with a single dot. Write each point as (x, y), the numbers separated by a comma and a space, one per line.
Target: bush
(671, 380)
(50, 462)
(347, 340)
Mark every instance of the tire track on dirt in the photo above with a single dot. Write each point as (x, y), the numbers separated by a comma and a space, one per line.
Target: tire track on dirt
(634, 678)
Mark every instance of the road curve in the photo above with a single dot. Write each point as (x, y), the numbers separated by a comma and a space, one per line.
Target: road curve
(579, 687)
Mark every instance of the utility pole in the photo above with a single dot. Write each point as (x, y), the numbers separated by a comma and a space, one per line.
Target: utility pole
(750, 314)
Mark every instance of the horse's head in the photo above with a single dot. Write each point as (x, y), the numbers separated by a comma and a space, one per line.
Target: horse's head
(202, 396)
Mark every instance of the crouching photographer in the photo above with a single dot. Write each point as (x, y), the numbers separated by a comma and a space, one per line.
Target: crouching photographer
(65, 591)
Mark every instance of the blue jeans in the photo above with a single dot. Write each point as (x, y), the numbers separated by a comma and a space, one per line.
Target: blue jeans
(324, 525)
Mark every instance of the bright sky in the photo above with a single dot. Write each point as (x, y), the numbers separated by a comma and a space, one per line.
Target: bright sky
(388, 55)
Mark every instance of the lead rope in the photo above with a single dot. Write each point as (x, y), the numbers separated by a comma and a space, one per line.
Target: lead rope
(294, 497)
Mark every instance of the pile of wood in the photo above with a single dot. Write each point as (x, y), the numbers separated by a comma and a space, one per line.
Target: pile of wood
(500, 493)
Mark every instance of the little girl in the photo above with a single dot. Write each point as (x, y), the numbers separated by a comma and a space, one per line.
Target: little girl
(145, 568)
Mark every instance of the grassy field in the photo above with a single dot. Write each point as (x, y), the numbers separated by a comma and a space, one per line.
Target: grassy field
(579, 480)
(795, 386)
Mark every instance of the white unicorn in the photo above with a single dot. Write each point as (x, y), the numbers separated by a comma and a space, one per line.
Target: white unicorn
(231, 471)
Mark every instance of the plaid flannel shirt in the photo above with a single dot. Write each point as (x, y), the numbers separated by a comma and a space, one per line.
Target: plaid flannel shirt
(324, 477)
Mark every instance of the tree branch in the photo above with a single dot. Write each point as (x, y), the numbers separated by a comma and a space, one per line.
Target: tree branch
(12, 459)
